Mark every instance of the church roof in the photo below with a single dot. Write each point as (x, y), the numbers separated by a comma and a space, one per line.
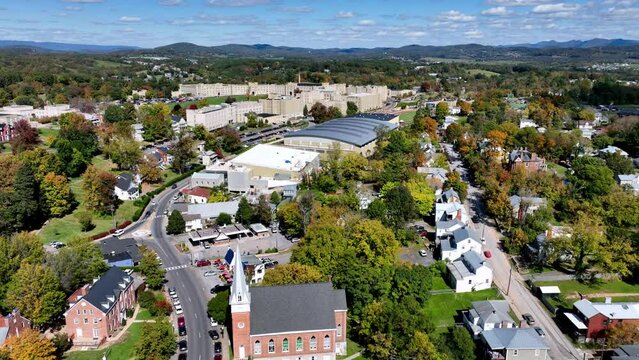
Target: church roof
(293, 308)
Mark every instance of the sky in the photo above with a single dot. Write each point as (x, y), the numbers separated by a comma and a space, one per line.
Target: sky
(316, 23)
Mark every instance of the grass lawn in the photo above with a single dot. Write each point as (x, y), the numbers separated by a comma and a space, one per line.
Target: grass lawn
(561, 171)
(407, 117)
(220, 99)
(474, 72)
(108, 64)
(439, 283)
(441, 309)
(124, 350)
(572, 287)
(143, 314)
(48, 132)
(103, 164)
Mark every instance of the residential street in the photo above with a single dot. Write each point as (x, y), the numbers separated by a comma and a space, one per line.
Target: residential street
(516, 293)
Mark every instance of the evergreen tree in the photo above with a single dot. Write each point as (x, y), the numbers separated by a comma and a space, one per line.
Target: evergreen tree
(176, 224)
(244, 213)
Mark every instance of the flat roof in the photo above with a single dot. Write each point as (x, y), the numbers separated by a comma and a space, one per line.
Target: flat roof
(358, 131)
(276, 157)
(575, 321)
(376, 116)
(258, 228)
(549, 290)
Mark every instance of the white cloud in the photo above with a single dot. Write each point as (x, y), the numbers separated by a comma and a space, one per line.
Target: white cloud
(345, 14)
(518, 2)
(84, 1)
(555, 8)
(238, 3)
(130, 19)
(454, 15)
(496, 11)
(171, 2)
(297, 9)
(414, 34)
(473, 34)
(366, 22)
(72, 8)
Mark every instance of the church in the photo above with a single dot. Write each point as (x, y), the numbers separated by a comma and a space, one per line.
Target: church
(288, 322)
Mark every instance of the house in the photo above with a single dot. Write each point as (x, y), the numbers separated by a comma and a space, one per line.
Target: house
(461, 241)
(126, 187)
(6, 131)
(305, 321)
(96, 310)
(625, 352)
(178, 124)
(525, 205)
(434, 173)
(252, 264)
(160, 154)
(196, 195)
(450, 211)
(289, 191)
(207, 179)
(447, 227)
(590, 321)
(212, 210)
(524, 123)
(12, 325)
(138, 132)
(488, 315)
(120, 252)
(611, 150)
(630, 181)
(526, 160)
(470, 273)
(207, 157)
(514, 344)
(259, 230)
(192, 222)
(448, 196)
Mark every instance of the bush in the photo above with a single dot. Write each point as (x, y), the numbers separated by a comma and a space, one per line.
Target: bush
(62, 343)
(439, 268)
(270, 250)
(86, 221)
(129, 312)
(161, 307)
(146, 299)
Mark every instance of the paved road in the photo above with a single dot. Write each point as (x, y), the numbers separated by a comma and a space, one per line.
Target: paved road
(185, 279)
(520, 299)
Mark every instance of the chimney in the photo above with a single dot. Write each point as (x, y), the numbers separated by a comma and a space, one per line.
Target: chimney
(608, 300)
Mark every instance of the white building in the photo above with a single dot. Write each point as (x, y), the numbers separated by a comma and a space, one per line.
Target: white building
(138, 132)
(611, 150)
(488, 315)
(470, 273)
(451, 211)
(196, 195)
(461, 241)
(126, 187)
(630, 180)
(444, 228)
(218, 116)
(207, 179)
(524, 123)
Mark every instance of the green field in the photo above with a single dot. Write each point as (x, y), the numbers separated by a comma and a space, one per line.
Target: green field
(48, 132)
(220, 99)
(407, 117)
(561, 170)
(439, 283)
(441, 309)
(474, 72)
(572, 287)
(108, 64)
(352, 348)
(124, 350)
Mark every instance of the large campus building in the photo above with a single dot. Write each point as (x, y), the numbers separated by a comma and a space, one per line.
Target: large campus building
(303, 322)
(218, 116)
(352, 134)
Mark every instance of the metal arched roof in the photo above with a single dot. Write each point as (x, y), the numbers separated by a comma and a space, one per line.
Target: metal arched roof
(357, 131)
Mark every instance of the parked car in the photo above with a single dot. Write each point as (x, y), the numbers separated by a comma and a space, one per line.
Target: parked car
(176, 301)
(529, 318)
(218, 347)
(488, 254)
(202, 263)
(213, 322)
(174, 186)
(182, 330)
(214, 335)
(207, 245)
(182, 356)
(181, 321)
(217, 357)
(182, 345)
(178, 310)
(172, 291)
(423, 253)
(540, 331)
(57, 245)
(423, 233)
(210, 273)
(118, 232)
(270, 264)
(219, 288)
(128, 271)
(295, 239)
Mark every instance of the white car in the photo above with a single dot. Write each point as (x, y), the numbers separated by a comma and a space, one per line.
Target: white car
(174, 296)
(178, 310)
(118, 232)
(210, 273)
(423, 253)
(176, 302)
(213, 322)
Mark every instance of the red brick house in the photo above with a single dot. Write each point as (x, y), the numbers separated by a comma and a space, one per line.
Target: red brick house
(97, 310)
(526, 160)
(590, 321)
(12, 325)
(6, 131)
(301, 322)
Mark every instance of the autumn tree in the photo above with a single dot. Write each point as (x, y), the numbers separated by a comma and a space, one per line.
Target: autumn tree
(149, 170)
(56, 193)
(98, 189)
(30, 345)
(626, 333)
(157, 341)
(41, 162)
(156, 122)
(183, 153)
(464, 107)
(24, 137)
(293, 273)
(421, 347)
(441, 110)
(124, 152)
(35, 290)
(423, 195)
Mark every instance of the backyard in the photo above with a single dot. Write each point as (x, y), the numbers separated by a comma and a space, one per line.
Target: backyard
(616, 289)
(407, 117)
(442, 309)
(123, 350)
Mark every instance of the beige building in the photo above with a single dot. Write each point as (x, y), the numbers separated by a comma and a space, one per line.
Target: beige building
(365, 101)
(283, 105)
(218, 116)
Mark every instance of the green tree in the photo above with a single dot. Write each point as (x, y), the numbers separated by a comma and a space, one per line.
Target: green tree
(263, 213)
(455, 182)
(124, 152)
(290, 218)
(76, 143)
(118, 114)
(423, 195)
(41, 163)
(86, 220)
(591, 177)
(411, 281)
(200, 132)
(275, 198)
(156, 122)
(35, 290)
(149, 170)
(56, 193)
(157, 341)
(176, 224)
(77, 264)
(151, 269)
(217, 307)
(98, 190)
(400, 207)
(14, 250)
(353, 166)
(183, 153)
(20, 209)
(460, 344)
(289, 274)
(351, 108)
(421, 347)
(244, 213)
(441, 110)
(619, 164)
(223, 219)
(373, 242)
(305, 111)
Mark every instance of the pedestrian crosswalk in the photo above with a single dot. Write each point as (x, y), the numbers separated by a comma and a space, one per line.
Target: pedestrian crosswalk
(178, 267)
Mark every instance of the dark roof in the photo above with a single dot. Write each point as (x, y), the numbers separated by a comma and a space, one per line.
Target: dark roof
(626, 352)
(113, 245)
(108, 285)
(291, 308)
(513, 338)
(124, 181)
(111, 258)
(376, 116)
(351, 130)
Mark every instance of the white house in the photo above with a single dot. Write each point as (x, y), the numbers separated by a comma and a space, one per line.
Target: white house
(487, 315)
(611, 150)
(138, 131)
(460, 242)
(444, 228)
(524, 123)
(448, 196)
(207, 179)
(126, 187)
(470, 273)
(192, 222)
(451, 211)
(631, 180)
(196, 195)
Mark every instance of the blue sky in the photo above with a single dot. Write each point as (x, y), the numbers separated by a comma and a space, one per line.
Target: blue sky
(317, 23)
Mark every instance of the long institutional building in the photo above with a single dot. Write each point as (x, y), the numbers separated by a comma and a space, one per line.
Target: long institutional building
(287, 100)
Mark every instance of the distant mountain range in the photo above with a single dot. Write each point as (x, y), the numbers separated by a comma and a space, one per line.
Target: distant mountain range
(576, 50)
(64, 47)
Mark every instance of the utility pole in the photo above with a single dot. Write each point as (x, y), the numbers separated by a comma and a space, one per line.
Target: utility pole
(483, 230)
(510, 276)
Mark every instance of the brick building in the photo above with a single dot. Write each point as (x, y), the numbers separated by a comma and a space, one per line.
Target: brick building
(526, 160)
(97, 310)
(295, 322)
(590, 321)
(12, 325)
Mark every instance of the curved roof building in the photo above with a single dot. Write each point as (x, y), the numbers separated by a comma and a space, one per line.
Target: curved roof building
(356, 134)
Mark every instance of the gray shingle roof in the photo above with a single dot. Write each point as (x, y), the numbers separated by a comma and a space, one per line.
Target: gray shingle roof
(513, 338)
(626, 352)
(492, 311)
(291, 308)
(113, 245)
(108, 285)
(350, 130)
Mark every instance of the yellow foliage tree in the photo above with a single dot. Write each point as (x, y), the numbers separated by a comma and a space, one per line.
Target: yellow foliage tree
(29, 345)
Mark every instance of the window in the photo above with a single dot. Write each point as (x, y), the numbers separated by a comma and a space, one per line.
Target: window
(271, 346)
(299, 345)
(515, 352)
(84, 311)
(86, 320)
(536, 352)
(470, 282)
(78, 310)
(76, 321)
(257, 349)
(285, 345)
(327, 342)
(95, 320)
(91, 311)
(313, 343)
(339, 329)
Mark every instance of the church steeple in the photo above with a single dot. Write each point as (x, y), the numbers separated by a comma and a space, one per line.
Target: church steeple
(240, 297)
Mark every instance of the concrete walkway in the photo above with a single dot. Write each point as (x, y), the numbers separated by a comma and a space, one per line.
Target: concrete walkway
(353, 356)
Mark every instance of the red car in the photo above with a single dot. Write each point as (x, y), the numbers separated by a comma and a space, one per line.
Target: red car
(181, 321)
(201, 263)
(487, 254)
(217, 357)
(423, 233)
